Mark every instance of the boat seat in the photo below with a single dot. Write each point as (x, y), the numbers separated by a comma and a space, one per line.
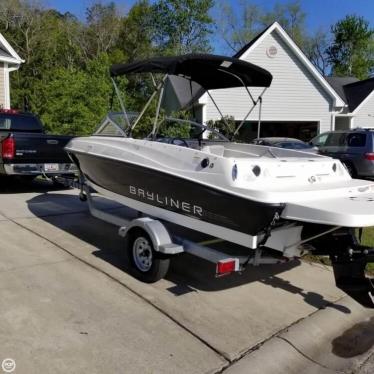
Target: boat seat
(217, 150)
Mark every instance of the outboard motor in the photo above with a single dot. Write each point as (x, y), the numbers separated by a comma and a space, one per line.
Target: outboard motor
(348, 259)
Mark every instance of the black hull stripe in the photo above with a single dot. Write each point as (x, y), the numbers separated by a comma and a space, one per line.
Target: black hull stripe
(177, 194)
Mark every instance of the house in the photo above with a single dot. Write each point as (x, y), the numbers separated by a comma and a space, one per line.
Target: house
(359, 98)
(9, 61)
(300, 102)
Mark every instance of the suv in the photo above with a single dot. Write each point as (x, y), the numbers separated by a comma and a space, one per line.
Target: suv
(354, 148)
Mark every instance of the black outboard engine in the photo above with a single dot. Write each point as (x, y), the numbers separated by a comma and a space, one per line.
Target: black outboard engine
(348, 259)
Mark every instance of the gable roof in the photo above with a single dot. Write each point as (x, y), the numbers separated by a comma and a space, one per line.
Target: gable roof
(353, 91)
(338, 83)
(244, 52)
(7, 53)
(358, 92)
(253, 41)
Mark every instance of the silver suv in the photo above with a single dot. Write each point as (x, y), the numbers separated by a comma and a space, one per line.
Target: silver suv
(355, 148)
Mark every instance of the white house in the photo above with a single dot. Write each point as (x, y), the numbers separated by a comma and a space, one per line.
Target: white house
(359, 99)
(9, 61)
(300, 102)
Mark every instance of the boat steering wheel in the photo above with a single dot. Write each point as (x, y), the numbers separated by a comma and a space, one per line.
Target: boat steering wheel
(179, 141)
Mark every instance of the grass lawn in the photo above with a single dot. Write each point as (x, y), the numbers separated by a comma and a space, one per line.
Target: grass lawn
(368, 239)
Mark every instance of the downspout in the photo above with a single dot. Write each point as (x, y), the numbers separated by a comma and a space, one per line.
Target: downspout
(352, 122)
(333, 116)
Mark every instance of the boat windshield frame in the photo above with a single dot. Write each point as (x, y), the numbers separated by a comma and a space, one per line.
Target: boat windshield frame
(122, 131)
(159, 90)
(187, 121)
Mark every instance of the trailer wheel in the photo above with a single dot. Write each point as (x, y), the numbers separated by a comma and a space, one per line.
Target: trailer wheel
(146, 264)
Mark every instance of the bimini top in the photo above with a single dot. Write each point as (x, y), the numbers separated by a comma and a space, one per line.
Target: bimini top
(209, 71)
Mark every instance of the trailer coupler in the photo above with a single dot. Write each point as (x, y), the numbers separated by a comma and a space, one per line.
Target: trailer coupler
(349, 271)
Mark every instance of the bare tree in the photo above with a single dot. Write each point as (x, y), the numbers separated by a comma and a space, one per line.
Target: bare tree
(23, 18)
(237, 28)
(103, 26)
(315, 49)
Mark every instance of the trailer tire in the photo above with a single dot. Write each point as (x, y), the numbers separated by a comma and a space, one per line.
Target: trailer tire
(146, 264)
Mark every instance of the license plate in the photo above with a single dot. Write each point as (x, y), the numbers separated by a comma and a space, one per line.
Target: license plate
(50, 167)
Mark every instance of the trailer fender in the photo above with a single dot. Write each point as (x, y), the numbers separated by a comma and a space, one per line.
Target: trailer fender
(161, 239)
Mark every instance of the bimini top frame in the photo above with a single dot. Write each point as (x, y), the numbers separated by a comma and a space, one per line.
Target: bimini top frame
(208, 71)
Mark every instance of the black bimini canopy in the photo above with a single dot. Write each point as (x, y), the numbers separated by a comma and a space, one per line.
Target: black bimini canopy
(209, 71)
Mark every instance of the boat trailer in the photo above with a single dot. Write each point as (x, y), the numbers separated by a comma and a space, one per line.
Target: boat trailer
(149, 239)
(149, 245)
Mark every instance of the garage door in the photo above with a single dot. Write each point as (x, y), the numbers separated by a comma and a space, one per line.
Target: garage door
(299, 130)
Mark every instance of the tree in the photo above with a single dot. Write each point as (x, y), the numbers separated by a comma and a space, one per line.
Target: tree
(135, 35)
(291, 17)
(315, 47)
(65, 77)
(74, 102)
(352, 52)
(182, 26)
(103, 25)
(238, 25)
(238, 28)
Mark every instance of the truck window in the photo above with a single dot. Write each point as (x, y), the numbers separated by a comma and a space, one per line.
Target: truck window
(356, 140)
(20, 122)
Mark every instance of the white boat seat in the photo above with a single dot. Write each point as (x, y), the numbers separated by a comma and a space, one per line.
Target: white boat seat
(217, 150)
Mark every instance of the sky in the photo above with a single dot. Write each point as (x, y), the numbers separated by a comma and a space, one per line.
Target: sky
(320, 13)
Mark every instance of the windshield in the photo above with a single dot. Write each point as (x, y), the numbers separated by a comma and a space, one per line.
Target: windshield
(115, 124)
(186, 129)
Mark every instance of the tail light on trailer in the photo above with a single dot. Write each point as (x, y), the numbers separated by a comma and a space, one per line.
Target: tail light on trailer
(227, 266)
(369, 156)
(8, 148)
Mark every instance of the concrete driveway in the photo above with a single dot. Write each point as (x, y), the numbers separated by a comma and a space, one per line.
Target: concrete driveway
(69, 304)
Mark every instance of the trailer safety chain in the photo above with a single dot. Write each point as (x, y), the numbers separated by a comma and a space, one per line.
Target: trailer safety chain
(44, 174)
(258, 250)
(269, 228)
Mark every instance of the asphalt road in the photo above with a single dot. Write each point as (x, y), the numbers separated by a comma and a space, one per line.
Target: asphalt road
(70, 305)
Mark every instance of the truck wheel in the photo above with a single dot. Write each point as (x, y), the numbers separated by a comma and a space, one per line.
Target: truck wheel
(26, 178)
(146, 264)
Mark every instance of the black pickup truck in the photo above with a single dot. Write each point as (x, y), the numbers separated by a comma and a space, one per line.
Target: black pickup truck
(25, 149)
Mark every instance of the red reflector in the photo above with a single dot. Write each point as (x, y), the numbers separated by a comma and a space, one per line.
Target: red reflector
(8, 148)
(227, 266)
(369, 156)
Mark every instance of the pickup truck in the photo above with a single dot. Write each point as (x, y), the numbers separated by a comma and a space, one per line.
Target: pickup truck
(26, 151)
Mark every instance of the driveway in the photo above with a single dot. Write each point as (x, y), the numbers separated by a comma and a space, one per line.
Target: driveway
(69, 304)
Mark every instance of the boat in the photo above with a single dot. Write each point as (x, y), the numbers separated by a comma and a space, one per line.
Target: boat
(259, 197)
